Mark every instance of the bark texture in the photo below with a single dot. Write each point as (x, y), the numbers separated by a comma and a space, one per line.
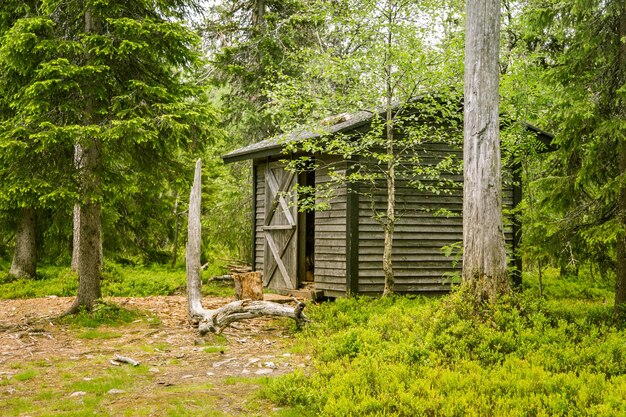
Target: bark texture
(391, 173)
(194, 240)
(89, 228)
(76, 226)
(215, 321)
(484, 255)
(24, 263)
(391, 203)
(248, 286)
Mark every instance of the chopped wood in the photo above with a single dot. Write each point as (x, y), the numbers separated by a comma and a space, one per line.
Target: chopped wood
(248, 286)
(125, 359)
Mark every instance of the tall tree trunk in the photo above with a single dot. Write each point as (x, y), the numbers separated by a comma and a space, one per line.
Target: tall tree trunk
(90, 230)
(620, 272)
(484, 255)
(391, 181)
(25, 255)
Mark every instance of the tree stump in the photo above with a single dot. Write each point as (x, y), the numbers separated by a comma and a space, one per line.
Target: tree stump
(248, 286)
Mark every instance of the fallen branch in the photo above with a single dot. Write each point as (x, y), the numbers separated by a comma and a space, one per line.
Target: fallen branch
(217, 320)
(125, 359)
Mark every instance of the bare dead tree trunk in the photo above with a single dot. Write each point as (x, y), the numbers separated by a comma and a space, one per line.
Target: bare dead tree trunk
(24, 263)
(484, 255)
(620, 273)
(194, 241)
(217, 320)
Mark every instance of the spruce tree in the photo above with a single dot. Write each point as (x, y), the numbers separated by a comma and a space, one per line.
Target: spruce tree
(106, 90)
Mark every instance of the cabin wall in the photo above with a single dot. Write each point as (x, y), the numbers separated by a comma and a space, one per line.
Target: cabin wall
(420, 232)
(330, 230)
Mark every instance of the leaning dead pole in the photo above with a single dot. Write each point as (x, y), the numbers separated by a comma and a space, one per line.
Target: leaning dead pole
(217, 320)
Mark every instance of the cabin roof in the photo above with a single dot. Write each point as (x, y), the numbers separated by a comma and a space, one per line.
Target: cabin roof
(341, 123)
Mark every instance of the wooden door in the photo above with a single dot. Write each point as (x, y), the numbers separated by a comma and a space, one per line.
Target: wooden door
(279, 228)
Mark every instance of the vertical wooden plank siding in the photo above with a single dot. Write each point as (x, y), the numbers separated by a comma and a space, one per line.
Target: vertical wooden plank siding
(330, 231)
(259, 240)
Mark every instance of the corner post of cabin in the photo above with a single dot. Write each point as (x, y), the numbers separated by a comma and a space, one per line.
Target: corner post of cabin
(352, 231)
(253, 214)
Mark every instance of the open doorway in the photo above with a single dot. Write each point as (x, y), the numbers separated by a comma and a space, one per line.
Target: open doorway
(306, 238)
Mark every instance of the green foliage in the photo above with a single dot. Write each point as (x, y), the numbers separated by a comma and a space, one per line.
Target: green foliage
(117, 281)
(570, 76)
(406, 356)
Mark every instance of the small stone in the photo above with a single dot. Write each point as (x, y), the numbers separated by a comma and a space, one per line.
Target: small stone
(270, 365)
(87, 379)
(187, 376)
(154, 370)
(286, 355)
(245, 371)
(78, 394)
(210, 373)
(115, 391)
(264, 371)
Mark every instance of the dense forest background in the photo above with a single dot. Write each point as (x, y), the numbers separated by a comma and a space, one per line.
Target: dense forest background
(149, 88)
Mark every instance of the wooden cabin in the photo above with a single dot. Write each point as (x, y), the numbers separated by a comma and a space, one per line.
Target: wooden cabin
(338, 251)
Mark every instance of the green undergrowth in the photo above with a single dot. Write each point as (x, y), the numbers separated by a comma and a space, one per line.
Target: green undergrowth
(117, 281)
(415, 356)
(103, 314)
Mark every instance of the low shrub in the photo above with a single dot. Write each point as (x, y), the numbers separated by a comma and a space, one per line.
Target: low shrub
(414, 356)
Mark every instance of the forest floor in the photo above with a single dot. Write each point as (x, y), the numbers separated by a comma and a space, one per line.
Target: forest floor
(48, 367)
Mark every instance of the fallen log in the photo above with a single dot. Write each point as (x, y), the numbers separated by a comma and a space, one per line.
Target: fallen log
(217, 320)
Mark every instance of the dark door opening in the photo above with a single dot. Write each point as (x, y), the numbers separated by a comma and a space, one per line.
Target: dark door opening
(306, 237)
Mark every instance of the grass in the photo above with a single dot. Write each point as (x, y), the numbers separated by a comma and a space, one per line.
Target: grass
(104, 314)
(117, 281)
(214, 349)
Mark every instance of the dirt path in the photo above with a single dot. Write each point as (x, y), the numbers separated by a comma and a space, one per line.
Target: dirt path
(171, 352)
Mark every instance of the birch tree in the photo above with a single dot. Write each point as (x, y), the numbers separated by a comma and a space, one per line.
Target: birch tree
(374, 56)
